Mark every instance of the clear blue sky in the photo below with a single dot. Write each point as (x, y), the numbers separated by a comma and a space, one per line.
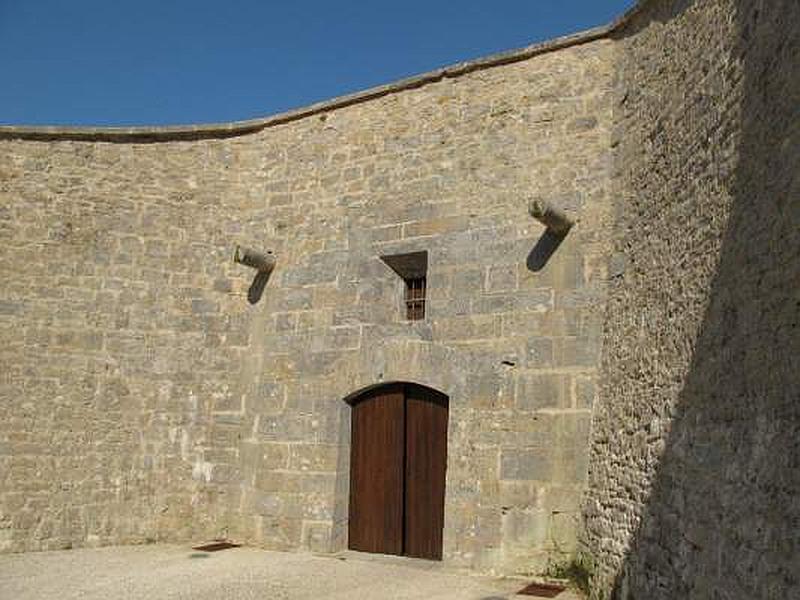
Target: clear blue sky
(140, 62)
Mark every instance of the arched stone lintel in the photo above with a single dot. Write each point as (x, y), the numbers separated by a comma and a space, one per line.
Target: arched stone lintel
(352, 398)
(423, 363)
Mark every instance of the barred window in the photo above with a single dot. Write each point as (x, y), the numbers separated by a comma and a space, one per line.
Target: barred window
(412, 268)
(415, 298)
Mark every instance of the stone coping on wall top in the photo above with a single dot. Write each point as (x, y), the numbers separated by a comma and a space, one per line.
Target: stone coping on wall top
(236, 128)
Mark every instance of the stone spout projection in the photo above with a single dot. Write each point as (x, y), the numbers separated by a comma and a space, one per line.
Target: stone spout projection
(550, 216)
(262, 262)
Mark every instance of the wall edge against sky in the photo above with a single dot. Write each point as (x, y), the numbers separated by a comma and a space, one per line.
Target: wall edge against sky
(146, 133)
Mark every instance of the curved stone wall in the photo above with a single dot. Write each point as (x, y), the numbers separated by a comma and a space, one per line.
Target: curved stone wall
(693, 477)
(143, 397)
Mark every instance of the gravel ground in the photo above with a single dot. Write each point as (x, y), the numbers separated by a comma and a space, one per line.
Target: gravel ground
(177, 572)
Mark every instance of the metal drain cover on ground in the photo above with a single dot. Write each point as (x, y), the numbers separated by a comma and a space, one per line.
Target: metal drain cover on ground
(543, 590)
(216, 546)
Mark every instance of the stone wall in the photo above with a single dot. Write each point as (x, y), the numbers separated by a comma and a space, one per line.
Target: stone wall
(144, 398)
(694, 474)
(122, 328)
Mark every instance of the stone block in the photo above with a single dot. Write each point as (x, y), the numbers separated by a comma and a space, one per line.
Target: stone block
(467, 327)
(268, 398)
(312, 506)
(584, 392)
(537, 391)
(9, 308)
(284, 427)
(571, 466)
(313, 457)
(495, 303)
(573, 427)
(561, 498)
(336, 338)
(582, 124)
(317, 536)
(525, 527)
(224, 286)
(202, 306)
(314, 274)
(295, 482)
(539, 352)
(501, 278)
(508, 429)
(529, 464)
(285, 322)
(564, 530)
(435, 226)
(576, 352)
(494, 389)
(289, 299)
(273, 456)
(520, 494)
(279, 534)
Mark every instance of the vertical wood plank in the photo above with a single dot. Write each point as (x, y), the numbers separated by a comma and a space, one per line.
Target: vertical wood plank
(426, 462)
(376, 472)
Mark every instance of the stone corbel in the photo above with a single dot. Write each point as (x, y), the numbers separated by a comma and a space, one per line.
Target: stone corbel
(552, 217)
(262, 262)
(558, 224)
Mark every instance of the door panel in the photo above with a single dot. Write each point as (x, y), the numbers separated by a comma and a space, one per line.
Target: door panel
(376, 472)
(397, 471)
(426, 461)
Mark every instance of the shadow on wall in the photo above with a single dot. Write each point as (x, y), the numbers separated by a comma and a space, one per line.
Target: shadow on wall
(723, 517)
(545, 247)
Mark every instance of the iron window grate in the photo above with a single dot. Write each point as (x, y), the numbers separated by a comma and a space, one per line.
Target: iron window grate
(415, 298)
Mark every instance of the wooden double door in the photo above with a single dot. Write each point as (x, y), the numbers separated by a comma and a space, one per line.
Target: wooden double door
(397, 471)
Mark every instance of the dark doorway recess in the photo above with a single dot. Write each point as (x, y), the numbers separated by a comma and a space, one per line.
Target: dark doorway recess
(398, 459)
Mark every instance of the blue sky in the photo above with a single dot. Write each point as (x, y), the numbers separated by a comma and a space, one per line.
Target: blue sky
(150, 62)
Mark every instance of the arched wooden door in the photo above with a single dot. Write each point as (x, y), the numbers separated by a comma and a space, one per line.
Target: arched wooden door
(398, 459)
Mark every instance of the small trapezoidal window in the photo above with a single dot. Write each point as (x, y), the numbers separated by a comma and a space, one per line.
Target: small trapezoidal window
(415, 298)
(412, 267)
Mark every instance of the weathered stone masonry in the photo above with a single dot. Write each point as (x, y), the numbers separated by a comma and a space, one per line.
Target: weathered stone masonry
(694, 480)
(143, 398)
